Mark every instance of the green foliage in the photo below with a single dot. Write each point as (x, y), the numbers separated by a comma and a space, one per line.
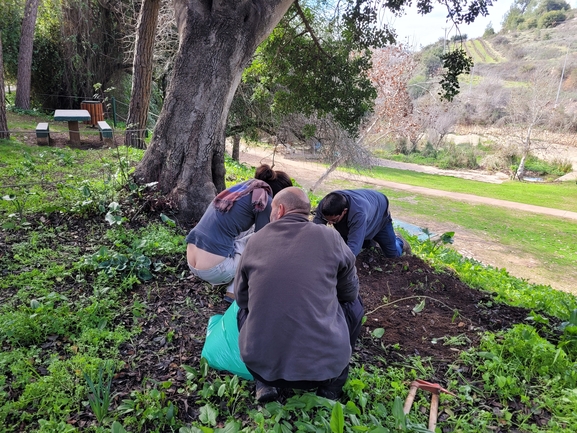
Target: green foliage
(77, 44)
(113, 263)
(30, 324)
(489, 31)
(11, 13)
(515, 360)
(542, 14)
(150, 409)
(100, 398)
(48, 342)
(455, 62)
(431, 60)
(60, 179)
(507, 288)
(292, 72)
(552, 19)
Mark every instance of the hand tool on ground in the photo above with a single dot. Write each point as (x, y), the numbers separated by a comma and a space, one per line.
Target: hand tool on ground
(435, 389)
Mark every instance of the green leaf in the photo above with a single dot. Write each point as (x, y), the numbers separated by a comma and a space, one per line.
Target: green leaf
(419, 307)
(230, 427)
(337, 419)
(168, 221)
(399, 414)
(378, 332)
(193, 429)
(118, 428)
(113, 219)
(208, 415)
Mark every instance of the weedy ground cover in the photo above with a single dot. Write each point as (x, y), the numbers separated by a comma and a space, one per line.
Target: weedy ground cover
(90, 345)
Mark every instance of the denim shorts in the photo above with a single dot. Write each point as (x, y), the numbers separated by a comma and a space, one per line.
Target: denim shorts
(222, 273)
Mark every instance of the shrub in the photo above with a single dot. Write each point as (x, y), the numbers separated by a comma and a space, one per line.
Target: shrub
(518, 53)
(492, 163)
(429, 151)
(552, 19)
(500, 40)
(489, 31)
(529, 23)
(454, 156)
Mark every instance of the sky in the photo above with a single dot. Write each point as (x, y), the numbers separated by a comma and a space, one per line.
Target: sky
(417, 30)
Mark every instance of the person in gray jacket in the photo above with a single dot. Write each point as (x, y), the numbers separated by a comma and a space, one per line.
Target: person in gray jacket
(362, 216)
(299, 309)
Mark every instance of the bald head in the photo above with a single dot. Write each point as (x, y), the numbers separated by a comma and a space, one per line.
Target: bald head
(290, 200)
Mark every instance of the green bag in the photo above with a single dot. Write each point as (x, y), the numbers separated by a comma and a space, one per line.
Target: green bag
(221, 345)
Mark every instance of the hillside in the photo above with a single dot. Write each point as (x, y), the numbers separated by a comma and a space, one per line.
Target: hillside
(511, 57)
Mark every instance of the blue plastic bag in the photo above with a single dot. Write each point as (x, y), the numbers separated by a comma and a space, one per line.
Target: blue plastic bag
(221, 345)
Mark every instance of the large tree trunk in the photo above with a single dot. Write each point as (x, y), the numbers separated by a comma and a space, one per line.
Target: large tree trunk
(24, 76)
(186, 154)
(4, 133)
(142, 74)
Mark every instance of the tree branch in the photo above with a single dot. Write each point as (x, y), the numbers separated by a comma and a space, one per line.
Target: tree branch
(309, 28)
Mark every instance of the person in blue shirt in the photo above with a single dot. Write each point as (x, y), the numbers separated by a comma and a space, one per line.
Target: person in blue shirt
(361, 216)
(215, 244)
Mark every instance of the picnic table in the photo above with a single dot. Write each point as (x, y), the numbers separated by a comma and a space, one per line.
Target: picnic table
(72, 117)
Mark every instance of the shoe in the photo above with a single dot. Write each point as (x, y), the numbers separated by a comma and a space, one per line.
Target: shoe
(407, 251)
(229, 297)
(331, 394)
(265, 393)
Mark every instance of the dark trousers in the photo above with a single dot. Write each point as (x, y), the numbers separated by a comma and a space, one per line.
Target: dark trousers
(354, 312)
(387, 239)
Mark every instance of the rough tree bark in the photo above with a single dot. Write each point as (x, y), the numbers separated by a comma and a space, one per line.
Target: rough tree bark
(216, 42)
(142, 74)
(24, 75)
(4, 133)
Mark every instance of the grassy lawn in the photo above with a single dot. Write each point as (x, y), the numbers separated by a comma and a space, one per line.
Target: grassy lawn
(559, 195)
(553, 239)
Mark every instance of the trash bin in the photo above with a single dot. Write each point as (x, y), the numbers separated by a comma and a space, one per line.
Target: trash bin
(95, 110)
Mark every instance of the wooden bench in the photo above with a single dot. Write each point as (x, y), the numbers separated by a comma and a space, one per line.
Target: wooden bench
(43, 134)
(105, 130)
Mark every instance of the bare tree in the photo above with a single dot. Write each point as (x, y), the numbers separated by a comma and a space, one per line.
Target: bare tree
(142, 74)
(438, 118)
(24, 76)
(393, 113)
(528, 110)
(4, 133)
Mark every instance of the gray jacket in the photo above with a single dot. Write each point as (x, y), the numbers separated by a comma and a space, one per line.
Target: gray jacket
(291, 277)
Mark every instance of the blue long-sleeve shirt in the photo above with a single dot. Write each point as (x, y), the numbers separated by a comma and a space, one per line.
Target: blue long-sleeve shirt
(365, 217)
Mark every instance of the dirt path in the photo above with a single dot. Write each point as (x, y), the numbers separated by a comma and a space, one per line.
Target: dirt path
(467, 243)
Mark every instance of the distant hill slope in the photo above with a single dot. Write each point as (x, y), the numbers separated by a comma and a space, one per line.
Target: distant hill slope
(482, 51)
(510, 59)
(511, 54)
(512, 51)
